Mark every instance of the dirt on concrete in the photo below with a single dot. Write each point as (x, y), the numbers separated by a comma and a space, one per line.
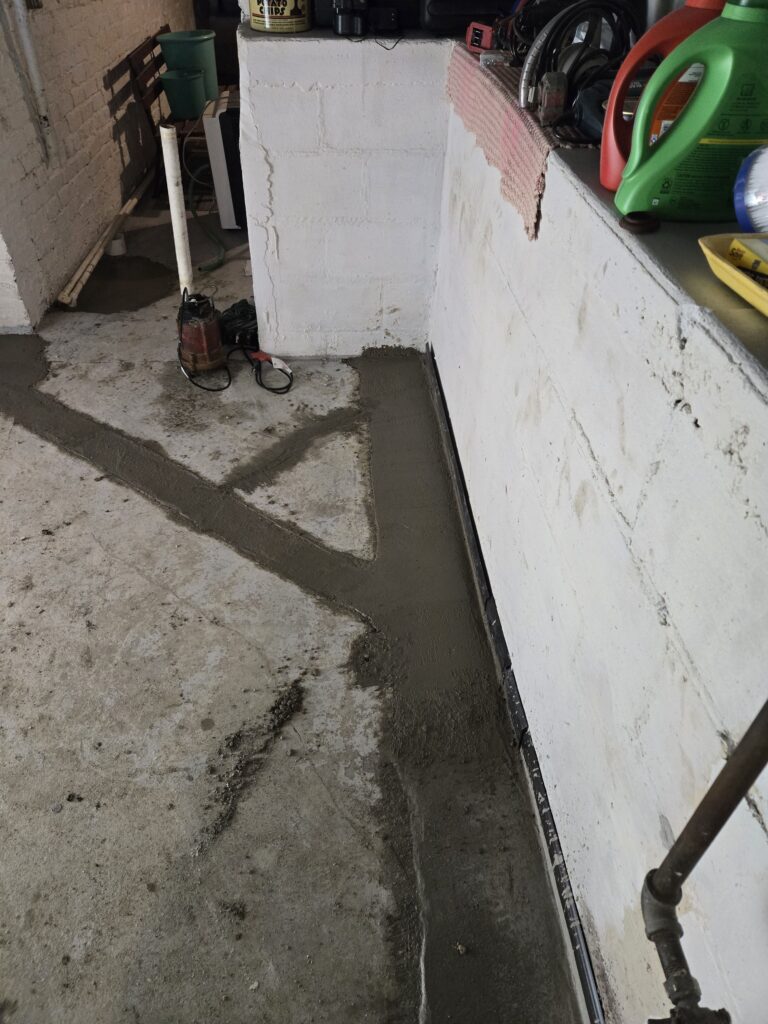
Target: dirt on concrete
(241, 756)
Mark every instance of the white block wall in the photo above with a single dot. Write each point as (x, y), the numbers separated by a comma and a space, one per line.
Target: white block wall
(343, 145)
(614, 440)
(51, 215)
(13, 313)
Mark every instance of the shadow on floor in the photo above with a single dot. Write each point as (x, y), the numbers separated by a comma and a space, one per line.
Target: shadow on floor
(148, 271)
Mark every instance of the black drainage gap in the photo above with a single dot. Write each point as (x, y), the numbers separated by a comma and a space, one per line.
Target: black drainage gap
(517, 715)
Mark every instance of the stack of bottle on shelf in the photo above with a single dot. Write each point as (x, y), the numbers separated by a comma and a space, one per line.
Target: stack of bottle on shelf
(698, 79)
(680, 112)
(702, 113)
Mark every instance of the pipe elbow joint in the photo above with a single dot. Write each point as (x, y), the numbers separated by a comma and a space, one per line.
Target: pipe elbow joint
(682, 988)
(659, 916)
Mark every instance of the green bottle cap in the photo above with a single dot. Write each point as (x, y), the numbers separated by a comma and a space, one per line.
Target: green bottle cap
(761, 4)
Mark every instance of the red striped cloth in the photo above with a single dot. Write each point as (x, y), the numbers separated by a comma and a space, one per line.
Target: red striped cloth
(512, 139)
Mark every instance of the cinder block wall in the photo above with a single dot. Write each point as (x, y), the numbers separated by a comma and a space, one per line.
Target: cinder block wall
(343, 145)
(51, 215)
(613, 439)
(13, 312)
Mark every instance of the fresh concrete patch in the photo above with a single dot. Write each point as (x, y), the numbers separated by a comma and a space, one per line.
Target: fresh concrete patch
(458, 893)
(326, 494)
(135, 652)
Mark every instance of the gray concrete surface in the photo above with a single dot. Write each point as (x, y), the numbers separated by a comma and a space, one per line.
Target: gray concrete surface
(326, 494)
(253, 760)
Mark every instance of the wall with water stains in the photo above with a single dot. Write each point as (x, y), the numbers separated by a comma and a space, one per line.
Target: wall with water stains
(613, 436)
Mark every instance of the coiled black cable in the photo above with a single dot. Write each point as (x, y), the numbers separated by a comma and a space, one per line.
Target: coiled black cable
(240, 331)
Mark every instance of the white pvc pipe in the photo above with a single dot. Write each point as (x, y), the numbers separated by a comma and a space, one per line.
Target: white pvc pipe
(34, 76)
(176, 200)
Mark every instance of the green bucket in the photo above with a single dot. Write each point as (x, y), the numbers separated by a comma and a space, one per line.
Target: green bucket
(192, 51)
(186, 93)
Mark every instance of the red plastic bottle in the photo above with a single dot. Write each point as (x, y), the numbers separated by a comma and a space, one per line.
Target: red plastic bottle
(659, 41)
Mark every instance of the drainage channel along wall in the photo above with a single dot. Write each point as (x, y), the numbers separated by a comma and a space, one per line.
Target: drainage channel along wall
(613, 438)
(343, 147)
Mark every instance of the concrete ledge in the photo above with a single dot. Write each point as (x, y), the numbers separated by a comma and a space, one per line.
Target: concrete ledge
(674, 258)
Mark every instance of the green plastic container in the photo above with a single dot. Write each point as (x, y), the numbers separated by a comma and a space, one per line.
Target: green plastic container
(689, 173)
(186, 93)
(192, 51)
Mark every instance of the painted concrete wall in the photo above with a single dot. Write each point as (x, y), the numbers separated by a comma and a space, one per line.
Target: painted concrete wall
(50, 215)
(614, 441)
(13, 313)
(343, 146)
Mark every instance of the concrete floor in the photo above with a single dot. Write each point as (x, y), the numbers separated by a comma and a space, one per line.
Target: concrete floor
(254, 765)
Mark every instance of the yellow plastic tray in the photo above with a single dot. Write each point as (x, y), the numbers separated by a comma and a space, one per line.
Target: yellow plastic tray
(715, 248)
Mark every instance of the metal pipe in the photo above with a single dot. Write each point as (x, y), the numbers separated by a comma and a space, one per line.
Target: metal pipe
(35, 78)
(725, 794)
(663, 888)
(178, 209)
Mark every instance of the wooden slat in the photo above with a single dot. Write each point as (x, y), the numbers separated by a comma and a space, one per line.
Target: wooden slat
(150, 72)
(146, 65)
(151, 94)
(137, 57)
(69, 294)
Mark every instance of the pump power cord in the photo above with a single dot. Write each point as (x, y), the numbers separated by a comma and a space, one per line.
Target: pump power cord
(240, 332)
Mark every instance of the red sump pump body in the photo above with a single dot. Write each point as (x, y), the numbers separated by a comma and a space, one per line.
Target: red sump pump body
(200, 346)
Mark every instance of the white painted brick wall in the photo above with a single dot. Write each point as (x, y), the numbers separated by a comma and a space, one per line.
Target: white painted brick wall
(343, 146)
(613, 439)
(13, 312)
(50, 216)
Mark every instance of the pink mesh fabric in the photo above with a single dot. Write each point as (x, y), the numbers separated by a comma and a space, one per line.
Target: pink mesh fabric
(513, 141)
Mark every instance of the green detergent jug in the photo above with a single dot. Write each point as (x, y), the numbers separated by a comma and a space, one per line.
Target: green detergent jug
(689, 172)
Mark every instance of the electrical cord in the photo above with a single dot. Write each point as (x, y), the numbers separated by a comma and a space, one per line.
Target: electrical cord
(362, 39)
(574, 42)
(239, 330)
(187, 135)
(516, 32)
(255, 364)
(191, 376)
(218, 260)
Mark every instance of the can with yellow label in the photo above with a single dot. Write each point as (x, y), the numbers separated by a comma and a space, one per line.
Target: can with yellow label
(280, 15)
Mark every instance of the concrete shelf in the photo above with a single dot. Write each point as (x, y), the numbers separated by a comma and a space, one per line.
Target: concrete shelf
(675, 254)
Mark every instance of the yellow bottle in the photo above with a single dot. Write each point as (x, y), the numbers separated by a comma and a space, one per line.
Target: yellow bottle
(285, 16)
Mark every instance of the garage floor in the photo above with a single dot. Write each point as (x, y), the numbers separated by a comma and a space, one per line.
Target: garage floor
(254, 765)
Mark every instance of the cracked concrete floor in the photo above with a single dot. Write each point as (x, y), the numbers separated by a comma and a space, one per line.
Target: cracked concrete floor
(253, 760)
